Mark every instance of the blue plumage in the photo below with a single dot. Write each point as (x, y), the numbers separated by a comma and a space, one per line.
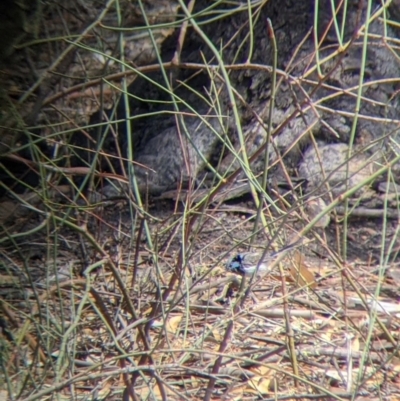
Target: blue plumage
(246, 263)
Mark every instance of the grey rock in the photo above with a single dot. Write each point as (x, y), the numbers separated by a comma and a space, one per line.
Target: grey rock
(170, 151)
(329, 169)
(313, 207)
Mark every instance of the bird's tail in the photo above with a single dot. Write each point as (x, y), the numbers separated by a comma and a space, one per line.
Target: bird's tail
(288, 247)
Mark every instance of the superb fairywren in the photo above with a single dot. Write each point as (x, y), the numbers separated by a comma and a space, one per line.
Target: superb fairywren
(246, 263)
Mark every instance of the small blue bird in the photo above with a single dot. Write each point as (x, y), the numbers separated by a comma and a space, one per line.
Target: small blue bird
(246, 263)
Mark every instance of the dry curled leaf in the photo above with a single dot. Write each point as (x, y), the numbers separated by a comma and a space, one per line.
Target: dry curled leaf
(173, 323)
(300, 273)
(262, 380)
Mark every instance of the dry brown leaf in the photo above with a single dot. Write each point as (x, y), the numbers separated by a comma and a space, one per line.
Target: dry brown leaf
(327, 334)
(300, 273)
(217, 334)
(334, 376)
(103, 390)
(261, 382)
(395, 365)
(173, 323)
(355, 344)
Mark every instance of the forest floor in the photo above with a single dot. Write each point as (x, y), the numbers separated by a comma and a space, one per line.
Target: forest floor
(314, 327)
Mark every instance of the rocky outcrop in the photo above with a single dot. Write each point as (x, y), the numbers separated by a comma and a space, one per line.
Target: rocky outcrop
(335, 103)
(182, 120)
